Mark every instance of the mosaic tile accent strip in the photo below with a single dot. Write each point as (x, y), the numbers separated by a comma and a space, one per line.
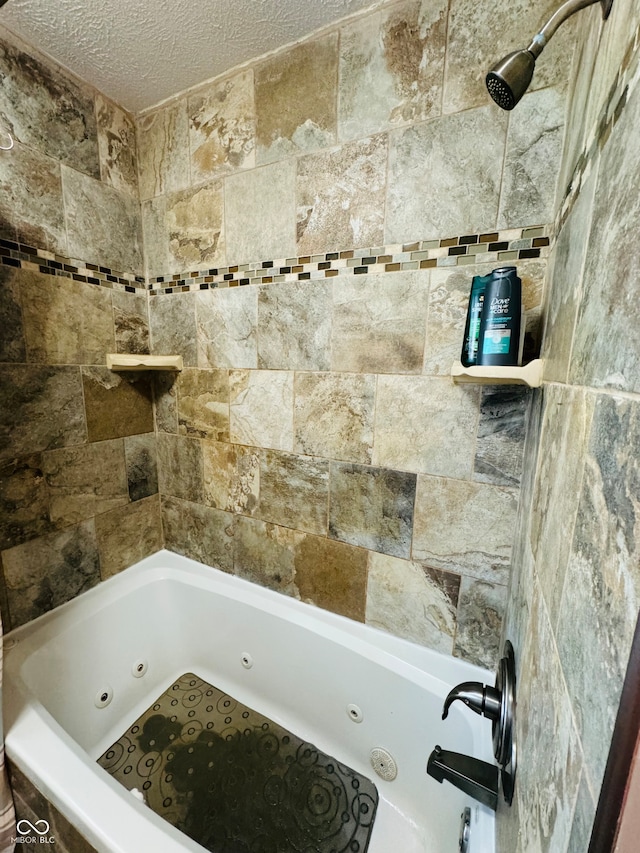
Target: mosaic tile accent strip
(509, 246)
(40, 260)
(492, 247)
(231, 779)
(624, 83)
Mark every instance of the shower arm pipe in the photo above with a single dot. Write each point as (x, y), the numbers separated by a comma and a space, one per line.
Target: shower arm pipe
(569, 8)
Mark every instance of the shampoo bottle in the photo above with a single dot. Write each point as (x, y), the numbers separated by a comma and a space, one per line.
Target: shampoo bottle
(501, 323)
(469, 355)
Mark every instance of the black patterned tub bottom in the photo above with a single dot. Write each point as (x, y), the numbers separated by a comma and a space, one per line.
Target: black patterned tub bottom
(236, 782)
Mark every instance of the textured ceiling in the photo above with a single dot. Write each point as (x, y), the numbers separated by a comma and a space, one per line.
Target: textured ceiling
(141, 52)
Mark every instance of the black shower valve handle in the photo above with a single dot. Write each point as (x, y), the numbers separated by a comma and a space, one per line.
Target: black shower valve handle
(480, 698)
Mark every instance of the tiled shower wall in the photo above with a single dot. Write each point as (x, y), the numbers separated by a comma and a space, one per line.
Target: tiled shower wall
(78, 480)
(575, 589)
(314, 442)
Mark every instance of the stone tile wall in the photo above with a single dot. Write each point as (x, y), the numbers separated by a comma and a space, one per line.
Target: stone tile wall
(299, 220)
(78, 479)
(575, 587)
(69, 185)
(314, 441)
(78, 475)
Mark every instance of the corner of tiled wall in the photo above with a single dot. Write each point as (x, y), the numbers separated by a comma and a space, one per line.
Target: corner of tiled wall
(78, 475)
(574, 594)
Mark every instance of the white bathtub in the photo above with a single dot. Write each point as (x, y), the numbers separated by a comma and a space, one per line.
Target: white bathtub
(308, 667)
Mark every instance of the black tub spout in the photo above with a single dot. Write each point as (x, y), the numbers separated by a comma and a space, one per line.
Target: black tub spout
(476, 778)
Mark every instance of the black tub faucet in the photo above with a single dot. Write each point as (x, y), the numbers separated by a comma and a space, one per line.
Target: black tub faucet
(478, 778)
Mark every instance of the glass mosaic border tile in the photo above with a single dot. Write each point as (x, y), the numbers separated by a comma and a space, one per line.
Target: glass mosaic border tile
(233, 780)
(507, 246)
(25, 257)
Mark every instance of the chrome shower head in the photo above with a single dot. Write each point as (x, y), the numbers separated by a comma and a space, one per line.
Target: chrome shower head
(509, 79)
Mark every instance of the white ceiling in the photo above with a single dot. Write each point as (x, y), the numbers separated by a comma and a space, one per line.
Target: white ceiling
(141, 52)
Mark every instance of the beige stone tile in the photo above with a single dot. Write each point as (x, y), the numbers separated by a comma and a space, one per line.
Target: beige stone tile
(116, 404)
(588, 32)
(563, 444)
(39, 575)
(261, 408)
(227, 327)
(608, 309)
(372, 508)
(502, 429)
(532, 159)
(31, 199)
(65, 322)
(614, 41)
(448, 301)
(480, 613)
(85, 481)
(163, 150)
(566, 285)
(231, 476)
(46, 108)
(24, 501)
(165, 402)
(117, 146)
(602, 585)
(265, 554)
(340, 197)
(459, 192)
(193, 227)
(203, 403)
(332, 575)
(448, 517)
(12, 342)
(379, 322)
(131, 322)
(172, 326)
(333, 415)
(198, 532)
(392, 67)
(547, 787)
(104, 226)
(426, 425)
(296, 100)
(128, 534)
(293, 491)
(412, 601)
(141, 456)
(222, 127)
(294, 326)
(260, 218)
(49, 399)
(156, 243)
(180, 467)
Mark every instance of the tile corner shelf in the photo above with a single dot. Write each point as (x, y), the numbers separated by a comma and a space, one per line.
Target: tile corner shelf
(121, 361)
(529, 374)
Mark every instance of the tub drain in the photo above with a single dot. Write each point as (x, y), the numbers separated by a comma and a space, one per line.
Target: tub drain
(384, 764)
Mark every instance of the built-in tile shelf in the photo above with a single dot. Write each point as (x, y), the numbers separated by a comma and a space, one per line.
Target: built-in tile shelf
(126, 361)
(529, 374)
